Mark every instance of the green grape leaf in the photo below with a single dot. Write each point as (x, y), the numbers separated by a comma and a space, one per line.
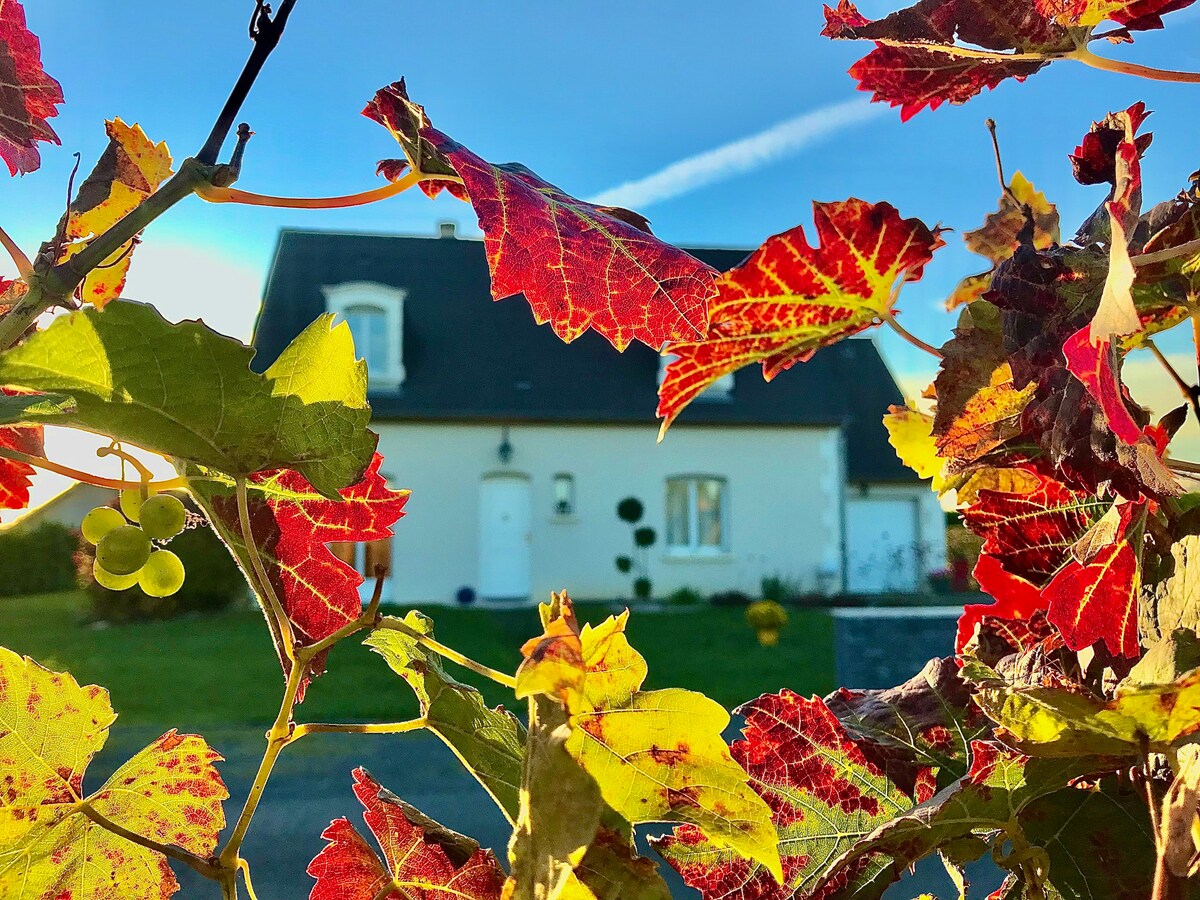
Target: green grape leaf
(1098, 841)
(187, 392)
(1055, 722)
(489, 742)
(1170, 602)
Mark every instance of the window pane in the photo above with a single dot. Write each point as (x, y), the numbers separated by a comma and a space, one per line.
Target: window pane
(368, 324)
(708, 512)
(677, 513)
(564, 494)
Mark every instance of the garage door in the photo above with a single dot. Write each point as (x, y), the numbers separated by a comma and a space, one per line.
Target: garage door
(882, 545)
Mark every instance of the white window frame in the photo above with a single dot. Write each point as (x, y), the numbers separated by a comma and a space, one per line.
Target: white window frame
(721, 389)
(389, 301)
(694, 547)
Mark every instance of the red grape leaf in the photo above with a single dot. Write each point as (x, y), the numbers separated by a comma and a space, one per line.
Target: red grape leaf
(169, 791)
(1135, 15)
(1095, 159)
(824, 793)
(1079, 552)
(1096, 365)
(1016, 600)
(130, 170)
(911, 66)
(579, 265)
(28, 96)
(421, 859)
(292, 525)
(789, 299)
(15, 476)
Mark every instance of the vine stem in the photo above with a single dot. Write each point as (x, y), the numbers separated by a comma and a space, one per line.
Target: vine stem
(1088, 58)
(117, 484)
(287, 639)
(232, 195)
(912, 338)
(368, 619)
(201, 865)
(1188, 248)
(453, 655)
(1190, 392)
(355, 728)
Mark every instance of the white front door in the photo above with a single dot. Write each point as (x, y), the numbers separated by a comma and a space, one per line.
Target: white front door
(505, 510)
(882, 548)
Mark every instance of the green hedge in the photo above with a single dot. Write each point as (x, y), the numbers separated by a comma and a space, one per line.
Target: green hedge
(37, 560)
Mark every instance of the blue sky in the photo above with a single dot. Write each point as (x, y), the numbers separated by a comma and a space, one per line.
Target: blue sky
(591, 96)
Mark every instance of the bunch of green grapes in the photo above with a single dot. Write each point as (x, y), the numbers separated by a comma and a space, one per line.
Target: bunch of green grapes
(124, 540)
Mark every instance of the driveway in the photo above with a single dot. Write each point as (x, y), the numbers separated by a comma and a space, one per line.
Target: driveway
(311, 786)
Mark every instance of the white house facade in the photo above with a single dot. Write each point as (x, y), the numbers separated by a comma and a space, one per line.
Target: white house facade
(518, 448)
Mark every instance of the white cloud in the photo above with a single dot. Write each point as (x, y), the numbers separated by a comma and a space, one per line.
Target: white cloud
(740, 156)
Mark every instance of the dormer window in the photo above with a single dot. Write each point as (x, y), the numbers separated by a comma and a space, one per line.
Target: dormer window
(375, 314)
(721, 389)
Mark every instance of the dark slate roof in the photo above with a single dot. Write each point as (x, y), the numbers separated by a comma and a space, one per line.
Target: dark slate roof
(469, 359)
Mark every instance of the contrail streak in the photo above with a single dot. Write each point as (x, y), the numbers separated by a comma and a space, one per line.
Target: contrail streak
(740, 156)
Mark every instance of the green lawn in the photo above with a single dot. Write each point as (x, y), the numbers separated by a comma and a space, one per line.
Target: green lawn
(220, 670)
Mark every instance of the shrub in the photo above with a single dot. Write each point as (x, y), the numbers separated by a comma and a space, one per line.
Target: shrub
(731, 598)
(644, 536)
(51, 545)
(780, 588)
(642, 588)
(630, 510)
(684, 596)
(624, 564)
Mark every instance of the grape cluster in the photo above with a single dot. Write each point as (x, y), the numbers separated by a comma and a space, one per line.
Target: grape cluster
(125, 552)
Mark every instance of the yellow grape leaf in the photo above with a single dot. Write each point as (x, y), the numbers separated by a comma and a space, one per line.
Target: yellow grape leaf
(131, 169)
(1002, 481)
(170, 792)
(658, 756)
(911, 435)
(998, 237)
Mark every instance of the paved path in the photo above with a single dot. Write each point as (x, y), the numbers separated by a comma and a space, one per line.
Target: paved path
(311, 786)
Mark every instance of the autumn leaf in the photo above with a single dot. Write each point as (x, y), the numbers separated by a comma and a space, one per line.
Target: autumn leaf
(1001, 233)
(993, 794)
(1077, 551)
(421, 859)
(657, 756)
(293, 524)
(825, 794)
(1135, 15)
(978, 405)
(1017, 601)
(911, 435)
(1095, 159)
(789, 299)
(579, 265)
(927, 722)
(15, 475)
(1117, 314)
(911, 66)
(204, 405)
(28, 96)
(131, 169)
(50, 846)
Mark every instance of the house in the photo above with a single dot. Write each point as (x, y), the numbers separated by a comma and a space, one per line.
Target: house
(518, 447)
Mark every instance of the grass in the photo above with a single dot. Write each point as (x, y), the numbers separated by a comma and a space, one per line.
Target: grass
(203, 671)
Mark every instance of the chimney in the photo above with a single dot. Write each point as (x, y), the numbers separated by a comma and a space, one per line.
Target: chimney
(446, 230)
